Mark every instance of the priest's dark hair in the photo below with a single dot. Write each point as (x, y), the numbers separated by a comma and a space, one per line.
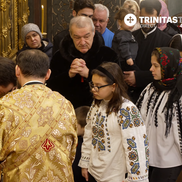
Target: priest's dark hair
(33, 63)
(150, 6)
(7, 72)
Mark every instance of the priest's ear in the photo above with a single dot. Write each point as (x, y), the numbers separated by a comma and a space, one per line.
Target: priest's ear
(48, 74)
(17, 71)
(74, 13)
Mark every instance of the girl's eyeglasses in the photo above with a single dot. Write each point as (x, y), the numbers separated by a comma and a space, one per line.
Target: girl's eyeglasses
(96, 88)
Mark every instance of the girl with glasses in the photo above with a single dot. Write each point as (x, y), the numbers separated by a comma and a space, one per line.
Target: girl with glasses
(115, 140)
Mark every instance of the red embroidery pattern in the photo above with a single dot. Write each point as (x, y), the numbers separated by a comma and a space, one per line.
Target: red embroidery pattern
(48, 145)
(168, 79)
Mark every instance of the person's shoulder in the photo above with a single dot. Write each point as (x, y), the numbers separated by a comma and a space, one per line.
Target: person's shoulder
(106, 51)
(171, 29)
(98, 38)
(9, 97)
(127, 103)
(120, 32)
(162, 38)
(137, 32)
(162, 34)
(107, 54)
(47, 43)
(124, 35)
(127, 108)
(59, 98)
(110, 32)
(106, 48)
(148, 89)
(150, 85)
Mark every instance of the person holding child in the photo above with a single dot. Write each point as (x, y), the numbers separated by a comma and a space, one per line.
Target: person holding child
(148, 38)
(160, 105)
(124, 43)
(115, 140)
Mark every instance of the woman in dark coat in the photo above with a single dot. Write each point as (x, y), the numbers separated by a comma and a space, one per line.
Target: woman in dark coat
(33, 40)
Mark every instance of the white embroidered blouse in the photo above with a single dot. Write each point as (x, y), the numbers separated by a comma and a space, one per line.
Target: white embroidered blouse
(115, 144)
(165, 152)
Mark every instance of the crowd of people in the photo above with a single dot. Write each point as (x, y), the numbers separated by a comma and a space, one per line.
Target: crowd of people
(96, 105)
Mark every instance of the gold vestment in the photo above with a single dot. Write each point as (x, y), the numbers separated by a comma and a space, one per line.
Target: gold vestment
(37, 136)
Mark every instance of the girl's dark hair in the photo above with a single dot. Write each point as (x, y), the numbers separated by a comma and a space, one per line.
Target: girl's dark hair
(120, 92)
(7, 72)
(176, 42)
(156, 53)
(122, 13)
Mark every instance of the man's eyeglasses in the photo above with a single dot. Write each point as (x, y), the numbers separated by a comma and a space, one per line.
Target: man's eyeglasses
(96, 88)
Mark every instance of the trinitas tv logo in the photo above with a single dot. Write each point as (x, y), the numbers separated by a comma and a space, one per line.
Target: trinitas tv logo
(150, 22)
(130, 20)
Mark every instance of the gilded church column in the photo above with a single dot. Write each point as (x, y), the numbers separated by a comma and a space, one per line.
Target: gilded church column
(13, 15)
(5, 28)
(23, 13)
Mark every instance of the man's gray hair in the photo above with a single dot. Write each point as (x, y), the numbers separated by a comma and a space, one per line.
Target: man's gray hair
(81, 22)
(101, 7)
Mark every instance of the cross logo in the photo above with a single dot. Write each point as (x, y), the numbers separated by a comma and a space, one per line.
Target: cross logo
(130, 19)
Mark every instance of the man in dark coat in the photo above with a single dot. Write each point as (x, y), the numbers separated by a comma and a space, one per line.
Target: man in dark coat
(148, 38)
(80, 52)
(33, 40)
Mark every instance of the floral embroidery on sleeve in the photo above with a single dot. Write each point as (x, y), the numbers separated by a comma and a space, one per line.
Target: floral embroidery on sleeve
(129, 118)
(133, 156)
(98, 135)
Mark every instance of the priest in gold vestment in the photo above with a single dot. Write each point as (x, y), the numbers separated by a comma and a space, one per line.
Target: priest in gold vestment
(37, 126)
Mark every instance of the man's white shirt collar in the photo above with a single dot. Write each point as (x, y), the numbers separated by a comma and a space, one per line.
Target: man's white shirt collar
(146, 34)
(33, 81)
